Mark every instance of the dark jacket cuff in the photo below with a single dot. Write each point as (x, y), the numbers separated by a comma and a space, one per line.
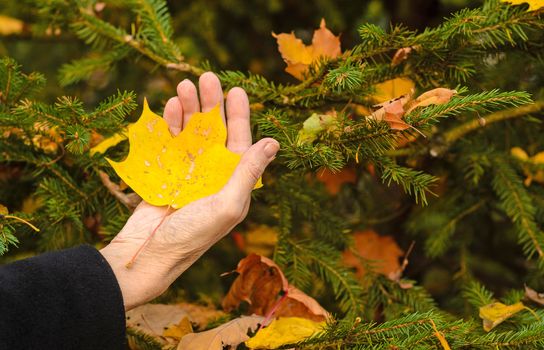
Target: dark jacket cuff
(69, 299)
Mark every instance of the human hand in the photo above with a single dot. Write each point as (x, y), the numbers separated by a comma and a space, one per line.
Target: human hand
(185, 234)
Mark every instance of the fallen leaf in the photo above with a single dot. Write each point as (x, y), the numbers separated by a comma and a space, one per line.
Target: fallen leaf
(333, 181)
(495, 313)
(392, 89)
(401, 55)
(230, 334)
(155, 319)
(534, 295)
(436, 96)
(383, 252)
(263, 286)
(299, 56)
(284, 331)
(174, 171)
(533, 4)
(177, 331)
(201, 315)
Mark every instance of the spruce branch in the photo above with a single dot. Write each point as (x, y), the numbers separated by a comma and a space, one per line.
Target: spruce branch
(517, 204)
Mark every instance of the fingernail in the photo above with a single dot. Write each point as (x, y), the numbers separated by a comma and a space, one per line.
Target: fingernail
(271, 149)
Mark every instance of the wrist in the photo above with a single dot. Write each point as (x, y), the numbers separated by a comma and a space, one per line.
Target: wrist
(138, 285)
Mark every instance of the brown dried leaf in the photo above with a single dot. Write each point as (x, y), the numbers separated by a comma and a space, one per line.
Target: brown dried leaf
(260, 283)
(535, 296)
(392, 112)
(230, 334)
(436, 96)
(401, 55)
(155, 319)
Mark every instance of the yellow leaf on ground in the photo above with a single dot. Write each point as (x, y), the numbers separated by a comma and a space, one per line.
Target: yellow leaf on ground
(299, 56)
(154, 318)
(495, 313)
(533, 4)
(284, 331)
(393, 88)
(230, 335)
(177, 331)
(176, 170)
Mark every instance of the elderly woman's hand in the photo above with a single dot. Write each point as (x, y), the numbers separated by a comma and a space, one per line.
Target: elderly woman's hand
(188, 232)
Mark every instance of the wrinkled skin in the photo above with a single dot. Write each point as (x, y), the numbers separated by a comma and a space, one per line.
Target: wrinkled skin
(188, 232)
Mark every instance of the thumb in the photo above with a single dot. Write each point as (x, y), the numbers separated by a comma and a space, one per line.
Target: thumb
(251, 167)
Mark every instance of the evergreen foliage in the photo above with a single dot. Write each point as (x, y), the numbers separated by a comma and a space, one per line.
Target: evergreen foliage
(464, 193)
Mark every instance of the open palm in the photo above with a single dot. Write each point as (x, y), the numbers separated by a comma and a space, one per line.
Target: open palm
(184, 235)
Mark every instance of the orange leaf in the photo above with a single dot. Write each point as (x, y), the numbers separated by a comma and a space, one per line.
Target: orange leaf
(333, 181)
(392, 112)
(299, 56)
(383, 250)
(260, 282)
(393, 116)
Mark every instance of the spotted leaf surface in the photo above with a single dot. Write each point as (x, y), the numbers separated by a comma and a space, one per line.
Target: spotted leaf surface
(176, 170)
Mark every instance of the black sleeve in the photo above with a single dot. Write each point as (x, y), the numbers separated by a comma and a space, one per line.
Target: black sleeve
(68, 299)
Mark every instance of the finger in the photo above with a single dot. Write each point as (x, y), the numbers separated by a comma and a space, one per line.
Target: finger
(188, 97)
(249, 170)
(238, 128)
(211, 93)
(173, 114)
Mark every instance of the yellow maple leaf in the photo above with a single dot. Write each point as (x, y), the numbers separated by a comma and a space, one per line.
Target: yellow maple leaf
(174, 171)
(533, 4)
(495, 313)
(299, 56)
(283, 331)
